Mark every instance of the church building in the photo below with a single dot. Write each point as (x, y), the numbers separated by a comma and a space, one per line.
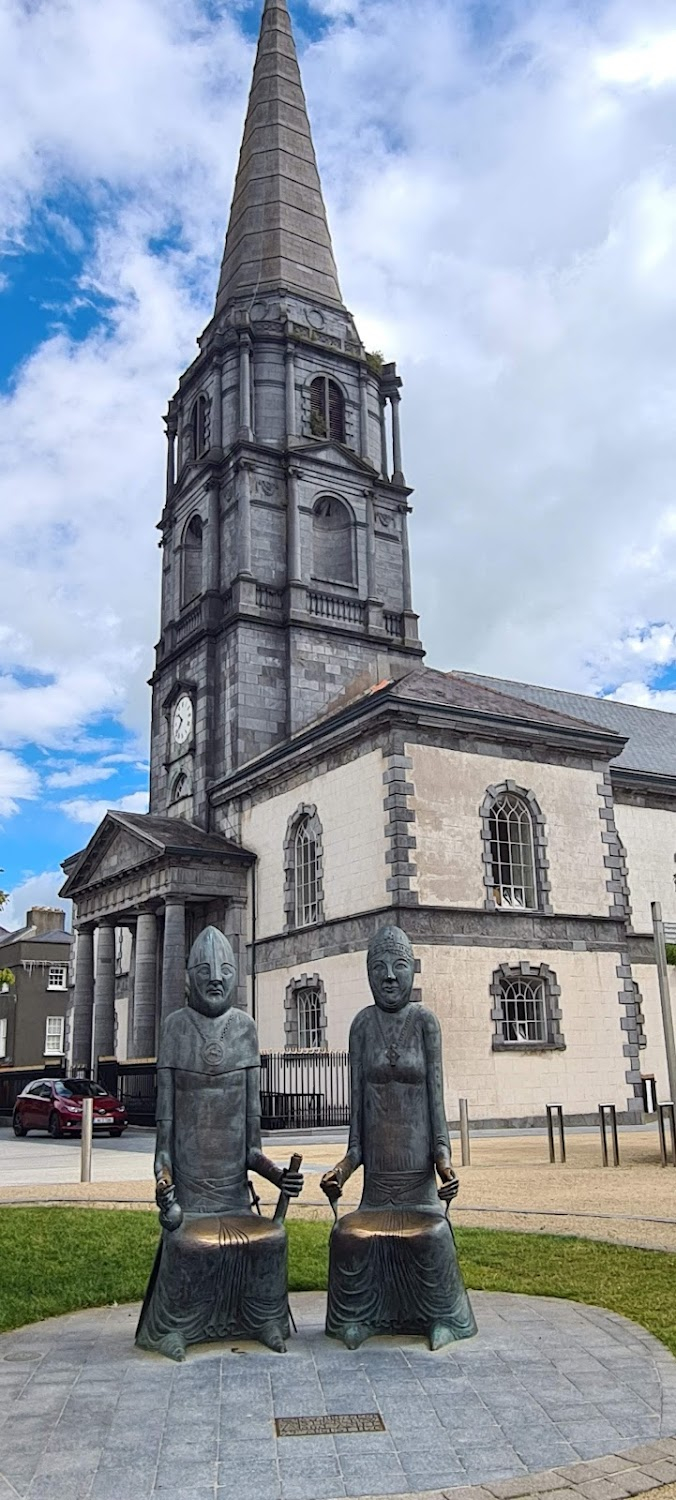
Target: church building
(311, 777)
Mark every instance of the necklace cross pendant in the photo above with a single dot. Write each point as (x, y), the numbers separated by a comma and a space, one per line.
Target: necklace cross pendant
(392, 1054)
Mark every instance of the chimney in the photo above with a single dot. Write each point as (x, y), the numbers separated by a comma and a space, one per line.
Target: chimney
(46, 919)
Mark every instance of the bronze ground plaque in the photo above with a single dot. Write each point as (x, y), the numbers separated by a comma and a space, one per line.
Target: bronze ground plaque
(327, 1426)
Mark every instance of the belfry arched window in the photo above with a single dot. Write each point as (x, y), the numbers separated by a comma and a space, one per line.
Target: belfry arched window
(327, 409)
(332, 541)
(200, 426)
(304, 868)
(191, 581)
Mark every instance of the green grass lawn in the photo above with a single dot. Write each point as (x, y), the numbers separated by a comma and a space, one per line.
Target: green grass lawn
(54, 1260)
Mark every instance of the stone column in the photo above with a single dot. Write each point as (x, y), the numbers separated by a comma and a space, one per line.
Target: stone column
(145, 985)
(363, 414)
(293, 565)
(384, 466)
(217, 409)
(370, 547)
(234, 927)
(245, 387)
(104, 993)
(290, 374)
(244, 470)
(83, 1008)
(171, 456)
(408, 598)
(213, 568)
(173, 956)
(398, 476)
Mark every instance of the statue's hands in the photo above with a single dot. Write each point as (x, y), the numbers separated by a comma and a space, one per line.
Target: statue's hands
(450, 1187)
(164, 1169)
(291, 1183)
(332, 1184)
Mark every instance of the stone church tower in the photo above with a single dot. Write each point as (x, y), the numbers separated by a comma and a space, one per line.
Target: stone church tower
(285, 581)
(284, 533)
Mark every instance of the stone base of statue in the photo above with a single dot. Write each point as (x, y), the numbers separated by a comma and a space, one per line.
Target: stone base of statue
(394, 1270)
(217, 1277)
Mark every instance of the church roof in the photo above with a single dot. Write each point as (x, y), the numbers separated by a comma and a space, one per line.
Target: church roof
(485, 697)
(157, 837)
(650, 733)
(278, 235)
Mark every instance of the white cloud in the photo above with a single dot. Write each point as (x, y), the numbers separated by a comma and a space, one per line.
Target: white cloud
(34, 890)
(91, 810)
(504, 215)
(80, 776)
(18, 783)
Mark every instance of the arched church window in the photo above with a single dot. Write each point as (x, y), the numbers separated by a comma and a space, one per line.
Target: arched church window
(526, 1007)
(181, 787)
(307, 905)
(200, 426)
(305, 1014)
(333, 541)
(327, 409)
(192, 560)
(512, 853)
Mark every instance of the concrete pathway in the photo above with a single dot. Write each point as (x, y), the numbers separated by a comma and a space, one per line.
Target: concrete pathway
(551, 1396)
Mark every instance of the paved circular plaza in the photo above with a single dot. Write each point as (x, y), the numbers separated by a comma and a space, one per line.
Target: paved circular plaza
(546, 1386)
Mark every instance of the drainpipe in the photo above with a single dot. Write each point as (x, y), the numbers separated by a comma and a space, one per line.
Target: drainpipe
(254, 997)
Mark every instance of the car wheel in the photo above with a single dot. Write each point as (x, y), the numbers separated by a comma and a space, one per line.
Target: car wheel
(54, 1126)
(115, 1134)
(17, 1127)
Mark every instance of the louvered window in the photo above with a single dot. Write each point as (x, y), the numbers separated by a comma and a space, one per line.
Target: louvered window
(327, 409)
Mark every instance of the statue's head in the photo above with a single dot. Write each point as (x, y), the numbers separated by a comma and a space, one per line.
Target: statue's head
(212, 973)
(391, 967)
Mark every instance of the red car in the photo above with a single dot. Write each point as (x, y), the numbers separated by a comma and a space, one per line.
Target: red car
(55, 1105)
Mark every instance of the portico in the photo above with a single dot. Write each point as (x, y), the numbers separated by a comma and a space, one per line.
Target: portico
(164, 879)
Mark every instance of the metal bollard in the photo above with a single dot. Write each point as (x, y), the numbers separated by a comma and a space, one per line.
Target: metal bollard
(86, 1140)
(608, 1114)
(464, 1133)
(667, 1112)
(552, 1110)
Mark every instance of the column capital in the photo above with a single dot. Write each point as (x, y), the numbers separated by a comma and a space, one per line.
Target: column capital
(174, 900)
(85, 929)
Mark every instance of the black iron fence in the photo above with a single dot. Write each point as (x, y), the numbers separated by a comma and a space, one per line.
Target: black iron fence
(299, 1090)
(304, 1090)
(14, 1080)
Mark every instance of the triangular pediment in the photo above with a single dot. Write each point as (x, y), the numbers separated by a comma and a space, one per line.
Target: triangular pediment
(112, 849)
(335, 454)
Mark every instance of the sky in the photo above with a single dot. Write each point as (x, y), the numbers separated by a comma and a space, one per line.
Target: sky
(500, 178)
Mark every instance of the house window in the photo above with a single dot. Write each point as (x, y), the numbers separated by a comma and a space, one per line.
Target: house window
(512, 853)
(305, 1009)
(3, 1036)
(332, 541)
(526, 1008)
(192, 560)
(307, 892)
(200, 426)
(57, 977)
(54, 1029)
(327, 409)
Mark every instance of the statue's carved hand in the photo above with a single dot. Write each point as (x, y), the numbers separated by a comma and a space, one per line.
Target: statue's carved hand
(450, 1186)
(291, 1183)
(164, 1167)
(332, 1185)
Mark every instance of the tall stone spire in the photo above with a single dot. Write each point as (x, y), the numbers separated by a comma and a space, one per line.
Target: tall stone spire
(278, 235)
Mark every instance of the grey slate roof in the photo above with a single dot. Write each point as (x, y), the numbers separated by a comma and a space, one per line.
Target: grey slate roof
(650, 732)
(29, 935)
(484, 696)
(278, 235)
(176, 836)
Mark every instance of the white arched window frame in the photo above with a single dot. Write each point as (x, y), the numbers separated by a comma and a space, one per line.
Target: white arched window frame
(307, 874)
(526, 1008)
(513, 853)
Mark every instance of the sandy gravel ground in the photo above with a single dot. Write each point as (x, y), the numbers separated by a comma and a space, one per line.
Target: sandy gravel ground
(509, 1185)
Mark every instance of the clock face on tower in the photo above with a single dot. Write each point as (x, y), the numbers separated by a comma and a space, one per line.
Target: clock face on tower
(181, 722)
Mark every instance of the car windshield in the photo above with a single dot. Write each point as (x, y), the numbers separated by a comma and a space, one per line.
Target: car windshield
(79, 1088)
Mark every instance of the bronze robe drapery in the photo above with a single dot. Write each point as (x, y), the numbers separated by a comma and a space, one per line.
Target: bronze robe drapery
(223, 1273)
(393, 1264)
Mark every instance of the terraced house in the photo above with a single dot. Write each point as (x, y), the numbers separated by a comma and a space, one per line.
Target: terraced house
(311, 777)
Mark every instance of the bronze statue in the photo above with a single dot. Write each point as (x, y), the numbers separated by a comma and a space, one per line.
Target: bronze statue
(393, 1265)
(220, 1270)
